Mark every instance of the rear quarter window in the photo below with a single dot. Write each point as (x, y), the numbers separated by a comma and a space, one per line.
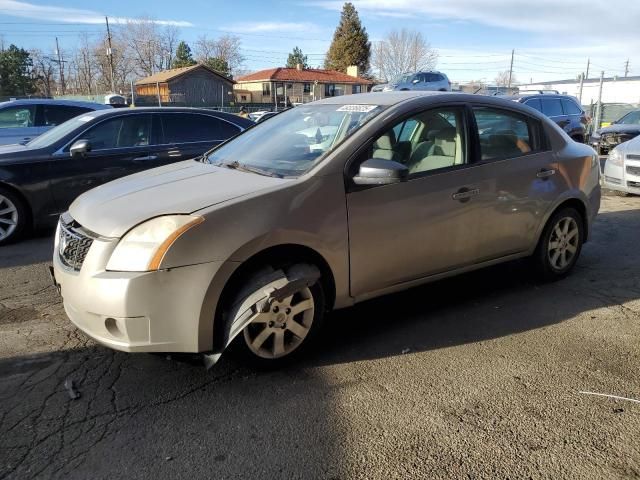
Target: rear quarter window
(570, 107)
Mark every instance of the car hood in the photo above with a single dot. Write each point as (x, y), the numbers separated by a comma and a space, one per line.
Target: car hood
(112, 209)
(620, 128)
(16, 153)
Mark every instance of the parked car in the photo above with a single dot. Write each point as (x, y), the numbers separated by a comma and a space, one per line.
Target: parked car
(257, 242)
(266, 116)
(255, 116)
(23, 120)
(565, 110)
(41, 179)
(432, 81)
(622, 168)
(620, 131)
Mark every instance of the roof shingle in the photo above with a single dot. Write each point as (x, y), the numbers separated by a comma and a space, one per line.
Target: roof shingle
(306, 75)
(167, 75)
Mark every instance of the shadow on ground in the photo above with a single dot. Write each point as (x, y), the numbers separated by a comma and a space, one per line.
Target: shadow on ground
(146, 416)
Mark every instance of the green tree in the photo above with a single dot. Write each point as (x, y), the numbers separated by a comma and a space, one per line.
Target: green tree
(183, 56)
(350, 45)
(15, 72)
(297, 57)
(218, 64)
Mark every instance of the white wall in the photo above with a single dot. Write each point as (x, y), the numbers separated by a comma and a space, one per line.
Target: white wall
(613, 91)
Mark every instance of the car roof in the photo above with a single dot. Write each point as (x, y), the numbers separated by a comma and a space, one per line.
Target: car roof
(50, 101)
(114, 112)
(382, 98)
(517, 96)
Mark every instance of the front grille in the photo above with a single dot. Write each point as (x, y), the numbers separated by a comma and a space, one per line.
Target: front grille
(633, 184)
(633, 170)
(73, 244)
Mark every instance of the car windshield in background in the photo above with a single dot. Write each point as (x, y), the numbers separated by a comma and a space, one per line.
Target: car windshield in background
(52, 136)
(631, 118)
(292, 142)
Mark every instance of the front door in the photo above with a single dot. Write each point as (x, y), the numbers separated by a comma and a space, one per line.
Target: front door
(426, 225)
(119, 146)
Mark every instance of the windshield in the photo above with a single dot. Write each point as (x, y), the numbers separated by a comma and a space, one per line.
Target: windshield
(631, 118)
(56, 133)
(292, 142)
(404, 78)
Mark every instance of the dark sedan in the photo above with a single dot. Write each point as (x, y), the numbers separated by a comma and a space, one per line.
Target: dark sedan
(41, 179)
(620, 131)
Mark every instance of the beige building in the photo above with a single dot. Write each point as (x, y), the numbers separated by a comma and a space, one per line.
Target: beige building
(297, 85)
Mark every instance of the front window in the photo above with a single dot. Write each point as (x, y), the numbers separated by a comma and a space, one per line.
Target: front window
(266, 89)
(292, 142)
(356, 89)
(404, 78)
(631, 118)
(330, 90)
(17, 117)
(120, 132)
(307, 88)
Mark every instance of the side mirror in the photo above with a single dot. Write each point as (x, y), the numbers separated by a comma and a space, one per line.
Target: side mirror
(415, 80)
(80, 148)
(377, 171)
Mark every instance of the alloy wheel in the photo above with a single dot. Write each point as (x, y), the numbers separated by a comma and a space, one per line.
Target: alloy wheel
(563, 243)
(8, 217)
(278, 332)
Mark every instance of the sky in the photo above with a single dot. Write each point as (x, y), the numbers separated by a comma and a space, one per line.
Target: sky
(552, 39)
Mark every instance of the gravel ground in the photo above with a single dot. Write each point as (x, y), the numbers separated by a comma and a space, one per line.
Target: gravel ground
(474, 377)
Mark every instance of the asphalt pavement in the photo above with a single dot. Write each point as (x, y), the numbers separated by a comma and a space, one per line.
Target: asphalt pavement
(480, 376)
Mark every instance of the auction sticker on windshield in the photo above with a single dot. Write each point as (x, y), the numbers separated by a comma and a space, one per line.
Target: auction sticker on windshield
(357, 108)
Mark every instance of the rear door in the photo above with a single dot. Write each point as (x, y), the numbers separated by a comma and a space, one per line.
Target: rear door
(189, 135)
(119, 146)
(17, 124)
(521, 178)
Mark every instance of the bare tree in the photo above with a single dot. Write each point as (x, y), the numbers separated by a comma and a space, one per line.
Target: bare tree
(227, 48)
(85, 65)
(502, 79)
(123, 65)
(44, 73)
(151, 46)
(403, 51)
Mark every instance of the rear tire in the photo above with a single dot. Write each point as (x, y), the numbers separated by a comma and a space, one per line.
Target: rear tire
(560, 244)
(13, 217)
(287, 330)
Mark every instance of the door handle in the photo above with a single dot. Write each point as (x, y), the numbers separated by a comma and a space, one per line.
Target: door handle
(146, 158)
(464, 194)
(546, 173)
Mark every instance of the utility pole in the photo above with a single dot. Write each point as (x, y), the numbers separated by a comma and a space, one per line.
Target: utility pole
(598, 119)
(61, 65)
(110, 55)
(626, 68)
(511, 69)
(581, 85)
(587, 74)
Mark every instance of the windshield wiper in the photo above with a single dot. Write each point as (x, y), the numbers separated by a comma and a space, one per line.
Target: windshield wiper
(235, 165)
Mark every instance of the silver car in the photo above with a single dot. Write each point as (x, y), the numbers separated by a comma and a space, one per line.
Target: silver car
(429, 81)
(622, 168)
(23, 120)
(252, 244)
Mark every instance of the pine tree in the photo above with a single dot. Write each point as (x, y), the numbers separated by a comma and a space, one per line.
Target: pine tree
(297, 57)
(183, 56)
(218, 64)
(350, 45)
(15, 72)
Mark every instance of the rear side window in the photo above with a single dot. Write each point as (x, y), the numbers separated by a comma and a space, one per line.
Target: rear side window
(505, 134)
(185, 127)
(552, 107)
(120, 132)
(431, 77)
(534, 103)
(570, 107)
(53, 115)
(18, 116)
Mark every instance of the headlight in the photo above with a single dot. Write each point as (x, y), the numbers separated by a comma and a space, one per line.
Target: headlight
(615, 157)
(143, 247)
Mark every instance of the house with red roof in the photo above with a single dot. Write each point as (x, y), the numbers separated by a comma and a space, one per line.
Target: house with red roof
(284, 86)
